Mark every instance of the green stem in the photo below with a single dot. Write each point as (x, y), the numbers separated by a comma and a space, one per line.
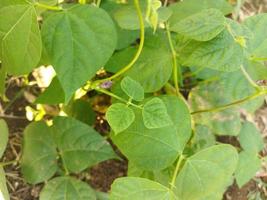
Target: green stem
(178, 165)
(118, 98)
(250, 80)
(175, 66)
(54, 8)
(223, 107)
(98, 3)
(138, 53)
(3, 164)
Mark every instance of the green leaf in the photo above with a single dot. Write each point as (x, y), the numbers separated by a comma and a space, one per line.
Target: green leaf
(206, 172)
(3, 136)
(39, 158)
(202, 26)
(250, 138)
(186, 8)
(77, 56)
(132, 88)
(80, 146)
(257, 46)
(120, 117)
(67, 188)
(154, 67)
(53, 95)
(167, 142)
(20, 39)
(155, 114)
(82, 111)
(139, 189)
(3, 188)
(248, 165)
(204, 138)
(222, 53)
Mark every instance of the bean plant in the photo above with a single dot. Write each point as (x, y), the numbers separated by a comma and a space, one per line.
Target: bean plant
(180, 77)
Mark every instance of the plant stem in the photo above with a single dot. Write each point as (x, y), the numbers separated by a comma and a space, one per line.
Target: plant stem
(98, 3)
(250, 80)
(175, 66)
(178, 165)
(119, 98)
(138, 53)
(223, 107)
(3, 164)
(54, 8)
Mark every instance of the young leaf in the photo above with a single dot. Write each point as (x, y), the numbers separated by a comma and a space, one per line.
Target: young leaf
(248, 165)
(205, 172)
(155, 114)
(132, 88)
(119, 117)
(80, 146)
(139, 189)
(3, 188)
(250, 138)
(67, 188)
(79, 42)
(3, 136)
(20, 47)
(39, 158)
(167, 142)
(202, 26)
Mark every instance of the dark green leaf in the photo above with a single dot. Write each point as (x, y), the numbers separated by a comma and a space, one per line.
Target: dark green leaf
(39, 159)
(77, 56)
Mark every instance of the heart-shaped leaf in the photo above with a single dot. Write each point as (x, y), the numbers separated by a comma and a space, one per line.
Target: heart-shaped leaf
(120, 117)
(132, 88)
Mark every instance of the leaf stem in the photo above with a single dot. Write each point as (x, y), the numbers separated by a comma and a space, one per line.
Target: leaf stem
(250, 80)
(178, 165)
(98, 3)
(54, 8)
(223, 107)
(175, 66)
(3, 164)
(119, 98)
(138, 53)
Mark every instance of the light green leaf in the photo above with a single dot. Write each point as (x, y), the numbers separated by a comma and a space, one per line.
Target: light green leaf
(2, 82)
(202, 26)
(132, 88)
(167, 142)
(248, 165)
(257, 46)
(3, 189)
(80, 146)
(206, 172)
(39, 158)
(139, 189)
(222, 53)
(120, 117)
(20, 39)
(186, 8)
(250, 138)
(4, 3)
(77, 56)
(155, 114)
(67, 188)
(54, 94)
(3, 136)
(81, 110)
